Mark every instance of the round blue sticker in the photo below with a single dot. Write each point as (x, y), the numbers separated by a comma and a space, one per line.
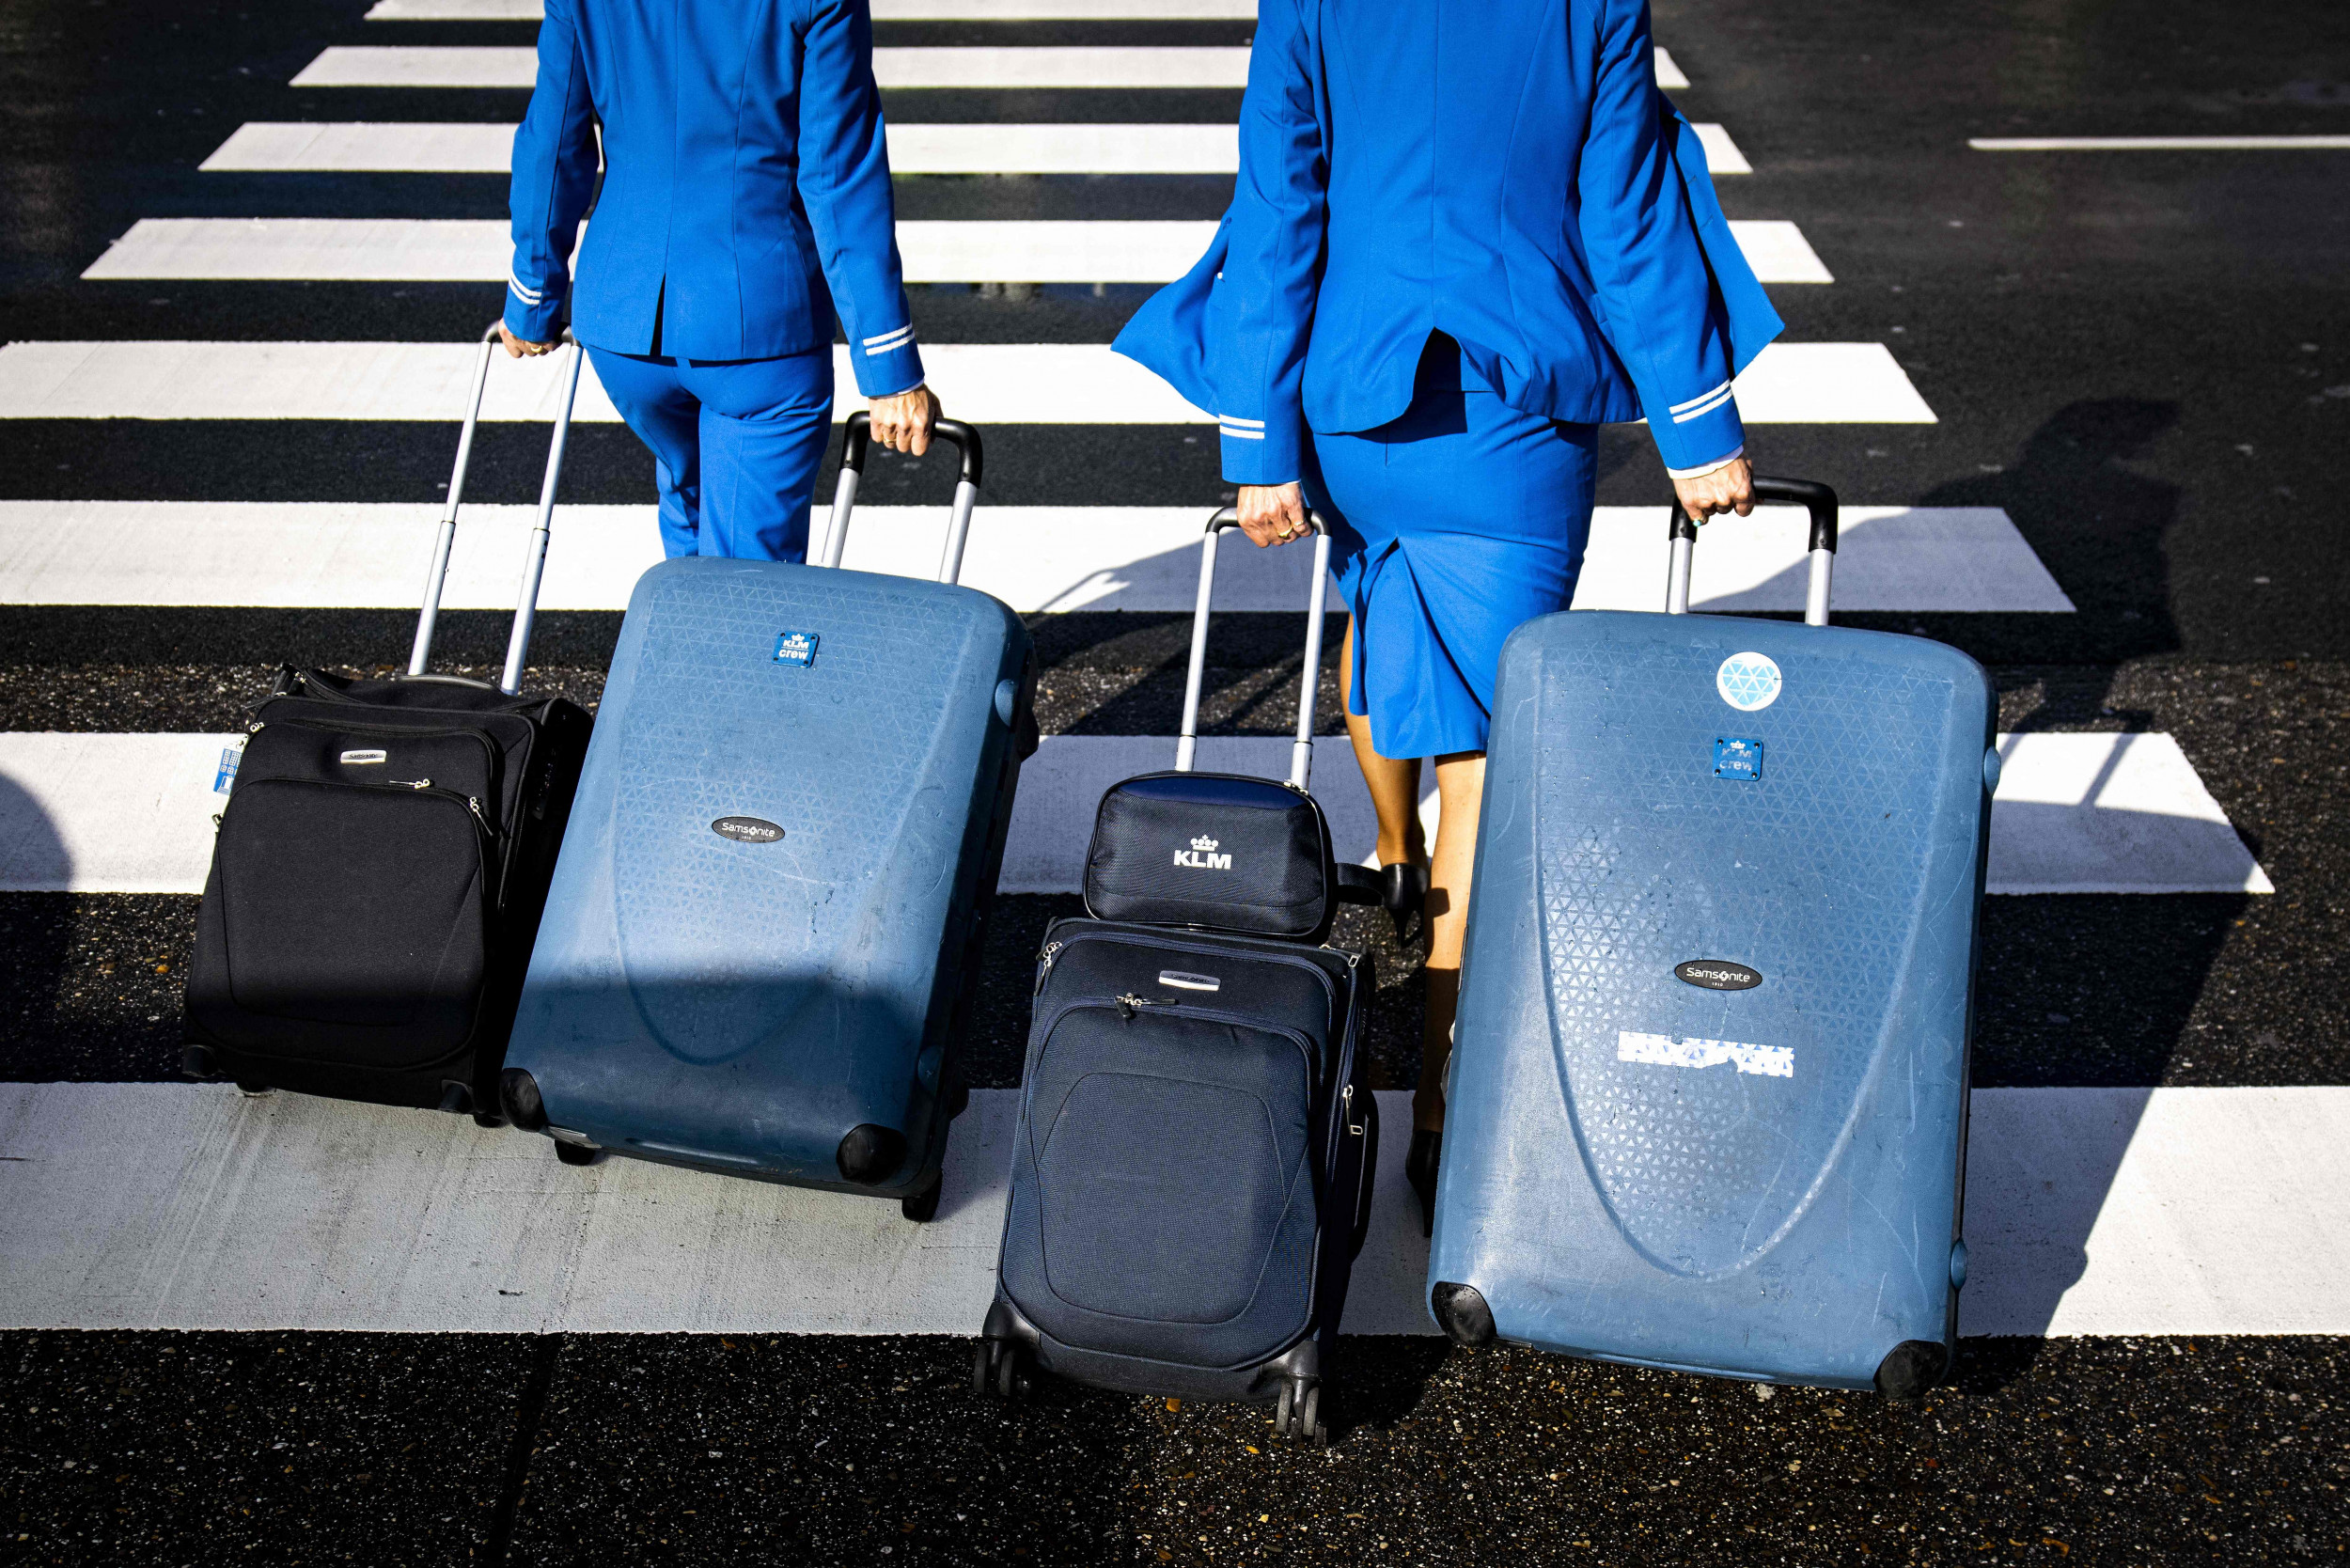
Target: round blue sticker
(1748, 681)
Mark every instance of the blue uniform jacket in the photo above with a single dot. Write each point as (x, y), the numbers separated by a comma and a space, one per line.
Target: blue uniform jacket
(746, 170)
(1505, 171)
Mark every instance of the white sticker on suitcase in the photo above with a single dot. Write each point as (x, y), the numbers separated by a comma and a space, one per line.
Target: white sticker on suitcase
(1769, 1061)
(1748, 681)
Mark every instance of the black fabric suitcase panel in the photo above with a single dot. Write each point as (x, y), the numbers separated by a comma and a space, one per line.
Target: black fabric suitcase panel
(1218, 851)
(1169, 1171)
(1206, 1220)
(351, 920)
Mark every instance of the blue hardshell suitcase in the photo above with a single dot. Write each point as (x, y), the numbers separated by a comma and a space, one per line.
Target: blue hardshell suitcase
(762, 941)
(1707, 1104)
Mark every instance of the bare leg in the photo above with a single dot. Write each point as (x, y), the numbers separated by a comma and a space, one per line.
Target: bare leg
(1460, 788)
(1394, 785)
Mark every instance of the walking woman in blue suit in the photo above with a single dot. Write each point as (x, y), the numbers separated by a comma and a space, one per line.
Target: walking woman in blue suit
(1465, 233)
(744, 172)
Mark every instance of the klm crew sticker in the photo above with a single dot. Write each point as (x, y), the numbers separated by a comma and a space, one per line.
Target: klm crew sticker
(1748, 681)
(1737, 758)
(797, 648)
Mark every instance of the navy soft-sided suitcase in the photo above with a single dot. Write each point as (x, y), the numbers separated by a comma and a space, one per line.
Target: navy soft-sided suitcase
(1192, 1167)
(1707, 1107)
(761, 947)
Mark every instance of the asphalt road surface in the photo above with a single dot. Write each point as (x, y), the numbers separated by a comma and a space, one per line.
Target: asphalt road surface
(2136, 364)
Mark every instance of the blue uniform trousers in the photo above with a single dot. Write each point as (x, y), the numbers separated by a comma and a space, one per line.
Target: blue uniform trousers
(736, 445)
(1450, 526)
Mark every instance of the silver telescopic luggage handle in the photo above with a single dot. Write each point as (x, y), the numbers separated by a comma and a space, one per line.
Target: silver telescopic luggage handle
(1302, 750)
(1818, 499)
(860, 434)
(534, 566)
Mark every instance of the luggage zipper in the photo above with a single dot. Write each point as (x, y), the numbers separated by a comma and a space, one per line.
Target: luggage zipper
(1273, 952)
(1346, 1110)
(1044, 965)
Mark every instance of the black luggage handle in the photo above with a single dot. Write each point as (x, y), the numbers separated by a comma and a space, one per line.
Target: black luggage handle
(535, 563)
(1814, 496)
(966, 439)
(1302, 752)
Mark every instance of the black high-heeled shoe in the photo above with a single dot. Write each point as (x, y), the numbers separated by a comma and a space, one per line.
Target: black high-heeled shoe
(1403, 894)
(1419, 1170)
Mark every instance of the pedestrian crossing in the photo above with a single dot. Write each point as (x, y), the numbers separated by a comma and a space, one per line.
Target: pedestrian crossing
(1016, 384)
(2076, 813)
(462, 148)
(1092, 68)
(481, 250)
(2089, 1210)
(1036, 559)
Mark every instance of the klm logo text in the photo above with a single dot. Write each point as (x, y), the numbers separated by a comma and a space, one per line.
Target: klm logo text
(1201, 856)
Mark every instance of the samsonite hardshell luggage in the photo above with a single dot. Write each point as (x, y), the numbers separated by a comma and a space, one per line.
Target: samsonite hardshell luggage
(1193, 1160)
(1707, 1104)
(761, 947)
(383, 858)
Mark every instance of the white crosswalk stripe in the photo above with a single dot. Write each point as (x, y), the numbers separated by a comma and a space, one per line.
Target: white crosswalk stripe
(332, 555)
(482, 250)
(462, 148)
(970, 67)
(884, 10)
(2089, 1210)
(2076, 813)
(1017, 383)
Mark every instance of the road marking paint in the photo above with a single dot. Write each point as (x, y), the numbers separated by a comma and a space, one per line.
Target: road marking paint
(459, 250)
(1069, 68)
(1007, 384)
(2159, 144)
(399, 147)
(338, 555)
(113, 813)
(1085, 67)
(884, 10)
(181, 1206)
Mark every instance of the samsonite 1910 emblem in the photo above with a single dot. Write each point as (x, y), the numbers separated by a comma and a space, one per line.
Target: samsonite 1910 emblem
(1717, 974)
(746, 830)
(1748, 681)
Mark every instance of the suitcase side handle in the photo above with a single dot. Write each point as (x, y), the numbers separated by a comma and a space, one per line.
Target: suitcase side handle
(1814, 497)
(859, 436)
(534, 564)
(1302, 750)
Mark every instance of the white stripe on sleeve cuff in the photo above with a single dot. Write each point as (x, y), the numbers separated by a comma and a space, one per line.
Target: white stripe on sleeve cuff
(889, 341)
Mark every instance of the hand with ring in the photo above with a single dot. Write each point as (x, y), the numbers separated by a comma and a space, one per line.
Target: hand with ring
(1273, 514)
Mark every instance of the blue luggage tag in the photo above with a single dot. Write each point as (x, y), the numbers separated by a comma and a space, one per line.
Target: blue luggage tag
(226, 778)
(1738, 758)
(797, 648)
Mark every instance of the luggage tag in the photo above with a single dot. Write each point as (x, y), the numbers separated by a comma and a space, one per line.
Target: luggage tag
(225, 778)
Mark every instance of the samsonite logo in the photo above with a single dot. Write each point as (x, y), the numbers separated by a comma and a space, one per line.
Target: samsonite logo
(1202, 856)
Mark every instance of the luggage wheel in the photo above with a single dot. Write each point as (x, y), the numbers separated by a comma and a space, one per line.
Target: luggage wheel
(575, 1153)
(922, 1207)
(251, 1090)
(1300, 1413)
(996, 1368)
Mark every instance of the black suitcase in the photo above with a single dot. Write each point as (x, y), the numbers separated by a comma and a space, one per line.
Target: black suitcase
(383, 860)
(1191, 1167)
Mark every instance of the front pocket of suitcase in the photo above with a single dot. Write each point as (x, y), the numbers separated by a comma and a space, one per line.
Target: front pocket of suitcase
(1173, 1171)
(353, 922)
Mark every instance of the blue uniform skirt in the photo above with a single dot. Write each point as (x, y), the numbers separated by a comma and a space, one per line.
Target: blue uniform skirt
(1449, 527)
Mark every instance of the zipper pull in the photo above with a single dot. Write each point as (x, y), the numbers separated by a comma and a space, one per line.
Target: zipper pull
(475, 807)
(1130, 1004)
(1346, 1111)
(1044, 965)
(411, 783)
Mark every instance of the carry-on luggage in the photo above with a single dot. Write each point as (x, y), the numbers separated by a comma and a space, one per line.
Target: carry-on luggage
(383, 858)
(762, 947)
(1707, 1104)
(1191, 1167)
